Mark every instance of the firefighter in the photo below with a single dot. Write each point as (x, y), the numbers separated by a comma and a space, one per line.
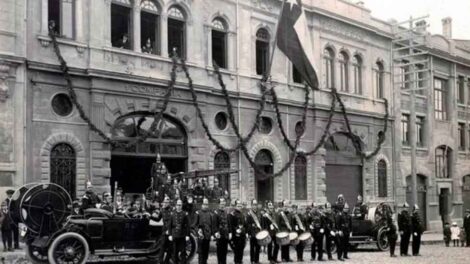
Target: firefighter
(204, 226)
(404, 227)
(237, 228)
(164, 243)
(284, 220)
(179, 233)
(343, 223)
(269, 223)
(391, 233)
(416, 229)
(317, 229)
(222, 234)
(330, 229)
(253, 227)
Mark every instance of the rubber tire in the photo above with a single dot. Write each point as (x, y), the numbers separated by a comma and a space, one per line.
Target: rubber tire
(32, 257)
(58, 239)
(380, 233)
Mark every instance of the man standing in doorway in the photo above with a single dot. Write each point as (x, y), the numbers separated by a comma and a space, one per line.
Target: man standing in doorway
(466, 226)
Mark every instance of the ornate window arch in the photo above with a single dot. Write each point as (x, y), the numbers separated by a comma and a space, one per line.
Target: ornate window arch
(63, 167)
(150, 27)
(222, 162)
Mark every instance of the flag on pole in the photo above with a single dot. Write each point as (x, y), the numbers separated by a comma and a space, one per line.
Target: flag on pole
(294, 40)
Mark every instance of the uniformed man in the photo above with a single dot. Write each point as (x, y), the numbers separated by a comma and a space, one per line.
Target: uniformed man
(466, 226)
(179, 233)
(339, 204)
(218, 192)
(269, 223)
(330, 229)
(14, 223)
(198, 192)
(404, 227)
(222, 234)
(90, 199)
(298, 223)
(391, 233)
(317, 229)
(417, 230)
(343, 223)
(164, 243)
(204, 226)
(6, 228)
(284, 220)
(253, 224)
(238, 229)
(174, 191)
(360, 209)
(107, 202)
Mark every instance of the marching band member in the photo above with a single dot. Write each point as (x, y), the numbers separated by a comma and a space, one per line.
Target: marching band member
(343, 226)
(253, 226)
(298, 222)
(269, 223)
(284, 226)
(222, 234)
(330, 229)
(204, 227)
(179, 233)
(237, 228)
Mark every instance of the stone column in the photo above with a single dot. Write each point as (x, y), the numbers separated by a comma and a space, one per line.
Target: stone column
(208, 34)
(136, 27)
(44, 18)
(164, 36)
(107, 22)
(231, 50)
(79, 20)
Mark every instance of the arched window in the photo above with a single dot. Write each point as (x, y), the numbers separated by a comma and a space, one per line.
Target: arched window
(60, 15)
(343, 61)
(150, 27)
(63, 167)
(443, 154)
(328, 67)
(300, 178)
(222, 162)
(382, 178)
(379, 80)
(121, 24)
(262, 51)
(176, 32)
(264, 187)
(219, 42)
(357, 73)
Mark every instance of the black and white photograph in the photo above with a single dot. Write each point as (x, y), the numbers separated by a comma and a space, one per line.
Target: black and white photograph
(234, 131)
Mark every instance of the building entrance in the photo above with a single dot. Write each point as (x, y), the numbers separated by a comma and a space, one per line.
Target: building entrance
(422, 203)
(131, 167)
(466, 193)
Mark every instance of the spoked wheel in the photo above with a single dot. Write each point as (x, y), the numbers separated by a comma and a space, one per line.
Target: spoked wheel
(36, 255)
(191, 247)
(382, 240)
(69, 248)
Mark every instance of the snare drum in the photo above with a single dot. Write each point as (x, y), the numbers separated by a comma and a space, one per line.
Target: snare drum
(294, 238)
(263, 238)
(306, 239)
(282, 238)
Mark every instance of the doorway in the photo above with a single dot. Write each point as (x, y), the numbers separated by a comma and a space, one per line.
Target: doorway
(264, 187)
(422, 189)
(466, 193)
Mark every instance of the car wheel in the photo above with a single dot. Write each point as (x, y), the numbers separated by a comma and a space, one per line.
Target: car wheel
(69, 247)
(382, 240)
(36, 255)
(191, 247)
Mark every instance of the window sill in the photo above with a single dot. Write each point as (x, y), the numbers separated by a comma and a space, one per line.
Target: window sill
(46, 40)
(422, 96)
(358, 96)
(142, 55)
(211, 71)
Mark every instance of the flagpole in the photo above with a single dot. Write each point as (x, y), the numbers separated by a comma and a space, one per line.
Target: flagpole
(268, 71)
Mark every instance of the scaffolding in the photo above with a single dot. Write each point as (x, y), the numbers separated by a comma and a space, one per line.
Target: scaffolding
(412, 61)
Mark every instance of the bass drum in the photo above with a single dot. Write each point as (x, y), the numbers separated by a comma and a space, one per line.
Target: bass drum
(294, 238)
(263, 238)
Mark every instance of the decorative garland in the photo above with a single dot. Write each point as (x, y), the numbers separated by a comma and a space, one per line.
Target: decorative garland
(158, 115)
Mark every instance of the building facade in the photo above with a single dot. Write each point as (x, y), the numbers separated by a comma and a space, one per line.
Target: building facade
(118, 52)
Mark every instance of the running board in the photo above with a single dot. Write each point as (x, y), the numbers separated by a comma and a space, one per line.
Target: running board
(126, 252)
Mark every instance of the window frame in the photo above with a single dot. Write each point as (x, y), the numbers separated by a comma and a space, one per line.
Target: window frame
(226, 165)
(224, 45)
(461, 136)
(440, 99)
(405, 129)
(300, 170)
(262, 50)
(460, 92)
(420, 129)
(329, 67)
(130, 32)
(156, 14)
(382, 181)
(442, 162)
(379, 80)
(357, 74)
(181, 30)
(343, 61)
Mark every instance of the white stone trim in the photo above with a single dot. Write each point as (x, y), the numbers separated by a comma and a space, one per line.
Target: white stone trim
(73, 141)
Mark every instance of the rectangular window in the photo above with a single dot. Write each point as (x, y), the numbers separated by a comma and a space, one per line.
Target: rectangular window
(420, 76)
(176, 39)
(296, 77)
(461, 136)
(419, 131)
(120, 26)
(405, 129)
(379, 83)
(149, 32)
(440, 99)
(461, 90)
(405, 77)
(219, 48)
(262, 57)
(53, 18)
(468, 91)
